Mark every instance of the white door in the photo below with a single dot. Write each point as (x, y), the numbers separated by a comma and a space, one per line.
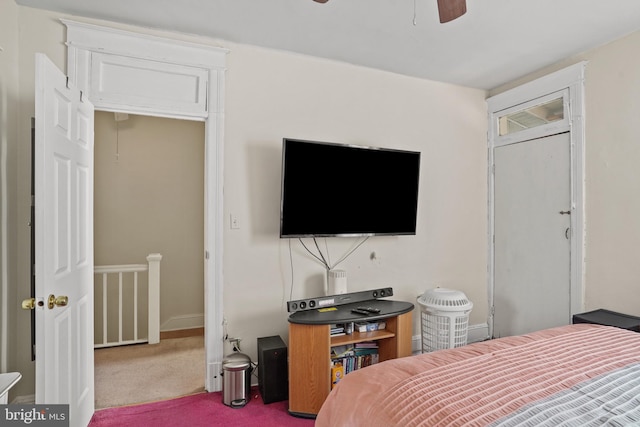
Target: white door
(532, 202)
(63, 244)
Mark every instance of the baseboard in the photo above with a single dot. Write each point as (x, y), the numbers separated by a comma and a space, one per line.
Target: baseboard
(188, 321)
(29, 399)
(416, 344)
(182, 333)
(475, 333)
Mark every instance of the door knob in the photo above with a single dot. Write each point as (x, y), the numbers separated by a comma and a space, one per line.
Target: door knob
(29, 304)
(60, 301)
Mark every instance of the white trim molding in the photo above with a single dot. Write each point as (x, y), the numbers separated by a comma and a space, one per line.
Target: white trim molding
(569, 84)
(123, 71)
(186, 321)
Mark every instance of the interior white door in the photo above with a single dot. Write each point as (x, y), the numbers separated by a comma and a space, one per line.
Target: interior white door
(63, 244)
(532, 280)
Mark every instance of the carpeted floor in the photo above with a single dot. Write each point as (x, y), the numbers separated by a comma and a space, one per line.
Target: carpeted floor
(199, 410)
(147, 373)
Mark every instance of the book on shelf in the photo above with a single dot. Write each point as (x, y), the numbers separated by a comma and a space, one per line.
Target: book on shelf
(349, 364)
(348, 358)
(341, 351)
(364, 351)
(337, 330)
(366, 344)
(342, 328)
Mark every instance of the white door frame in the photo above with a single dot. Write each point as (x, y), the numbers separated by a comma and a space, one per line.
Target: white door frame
(87, 45)
(568, 83)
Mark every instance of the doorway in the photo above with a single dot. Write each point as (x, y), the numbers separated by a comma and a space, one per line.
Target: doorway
(551, 105)
(129, 72)
(149, 181)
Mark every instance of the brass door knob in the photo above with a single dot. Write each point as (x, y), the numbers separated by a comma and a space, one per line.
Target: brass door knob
(59, 301)
(29, 304)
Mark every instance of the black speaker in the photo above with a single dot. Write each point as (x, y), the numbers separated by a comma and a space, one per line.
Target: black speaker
(273, 374)
(335, 300)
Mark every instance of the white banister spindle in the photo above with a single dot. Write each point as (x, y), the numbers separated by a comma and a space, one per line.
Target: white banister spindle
(104, 308)
(135, 306)
(153, 269)
(120, 306)
(154, 297)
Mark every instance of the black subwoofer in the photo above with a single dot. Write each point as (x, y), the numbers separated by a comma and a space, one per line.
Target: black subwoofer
(273, 375)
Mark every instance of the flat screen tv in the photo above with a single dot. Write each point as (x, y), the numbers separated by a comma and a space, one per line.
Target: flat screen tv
(331, 189)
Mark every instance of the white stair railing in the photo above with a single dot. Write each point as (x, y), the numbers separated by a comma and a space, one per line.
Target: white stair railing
(102, 283)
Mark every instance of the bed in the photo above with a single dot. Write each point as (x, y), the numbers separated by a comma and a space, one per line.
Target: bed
(577, 375)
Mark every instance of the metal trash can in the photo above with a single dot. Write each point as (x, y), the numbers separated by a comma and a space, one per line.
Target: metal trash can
(236, 380)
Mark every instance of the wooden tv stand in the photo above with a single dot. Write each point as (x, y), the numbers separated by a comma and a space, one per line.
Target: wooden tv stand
(310, 347)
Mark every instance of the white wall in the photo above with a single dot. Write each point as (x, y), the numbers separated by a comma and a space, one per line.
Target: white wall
(270, 95)
(8, 153)
(612, 182)
(613, 177)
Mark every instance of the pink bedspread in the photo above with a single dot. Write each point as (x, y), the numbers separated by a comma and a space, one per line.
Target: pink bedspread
(544, 373)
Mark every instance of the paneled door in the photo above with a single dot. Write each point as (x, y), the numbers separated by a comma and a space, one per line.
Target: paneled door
(63, 244)
(532, 288)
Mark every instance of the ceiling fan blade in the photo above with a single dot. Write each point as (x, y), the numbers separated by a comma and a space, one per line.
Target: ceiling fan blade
(451, 9)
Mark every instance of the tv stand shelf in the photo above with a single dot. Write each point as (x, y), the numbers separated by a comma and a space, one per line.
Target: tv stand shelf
(356, 337)
(310, 345)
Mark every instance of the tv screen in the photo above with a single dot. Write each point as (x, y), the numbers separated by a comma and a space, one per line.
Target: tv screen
(331, 189)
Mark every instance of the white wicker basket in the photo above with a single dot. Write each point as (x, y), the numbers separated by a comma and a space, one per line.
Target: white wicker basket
(445, 319)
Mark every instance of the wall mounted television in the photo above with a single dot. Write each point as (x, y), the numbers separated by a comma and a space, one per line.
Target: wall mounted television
(341, 190)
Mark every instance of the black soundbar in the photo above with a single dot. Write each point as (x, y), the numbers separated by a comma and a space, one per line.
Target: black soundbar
(334, 300)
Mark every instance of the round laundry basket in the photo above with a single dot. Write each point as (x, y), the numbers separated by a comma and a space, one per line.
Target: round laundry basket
(445, 319)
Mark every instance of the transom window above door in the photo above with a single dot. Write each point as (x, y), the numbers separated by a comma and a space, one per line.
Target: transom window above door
(542, 116)
(531, 117)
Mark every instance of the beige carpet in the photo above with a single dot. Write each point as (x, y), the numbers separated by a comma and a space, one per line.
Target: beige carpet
(144, 373)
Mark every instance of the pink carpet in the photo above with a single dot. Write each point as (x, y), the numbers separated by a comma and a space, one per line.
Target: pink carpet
(202, 409)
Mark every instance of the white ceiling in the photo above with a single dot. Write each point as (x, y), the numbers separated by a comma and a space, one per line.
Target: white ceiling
(496, 41)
